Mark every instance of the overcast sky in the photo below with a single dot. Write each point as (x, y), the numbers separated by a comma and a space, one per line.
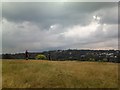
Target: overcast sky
(41, 26)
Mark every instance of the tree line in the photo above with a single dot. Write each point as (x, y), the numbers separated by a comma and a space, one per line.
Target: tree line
(79, 55)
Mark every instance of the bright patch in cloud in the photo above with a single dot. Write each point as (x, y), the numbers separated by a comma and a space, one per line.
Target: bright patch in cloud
(82, 31)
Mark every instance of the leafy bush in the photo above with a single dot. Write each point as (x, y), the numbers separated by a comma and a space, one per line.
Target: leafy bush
(40, 56)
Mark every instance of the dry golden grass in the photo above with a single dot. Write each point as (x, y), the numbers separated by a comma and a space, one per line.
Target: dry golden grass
(59, 74)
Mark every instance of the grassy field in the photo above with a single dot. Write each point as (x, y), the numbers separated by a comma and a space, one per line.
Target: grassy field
(59, 74)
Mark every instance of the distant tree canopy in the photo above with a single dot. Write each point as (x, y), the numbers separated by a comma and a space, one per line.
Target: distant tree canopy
(66, 55)
(40, 56)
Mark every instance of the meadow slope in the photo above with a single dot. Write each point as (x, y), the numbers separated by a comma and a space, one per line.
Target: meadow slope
(58, 74)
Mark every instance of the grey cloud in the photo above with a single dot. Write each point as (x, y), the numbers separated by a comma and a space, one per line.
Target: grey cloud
(48, 26)
(50, 13)
(108, 15)
(30, 36)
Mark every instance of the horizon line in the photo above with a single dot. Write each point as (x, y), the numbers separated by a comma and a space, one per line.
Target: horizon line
(60, 49)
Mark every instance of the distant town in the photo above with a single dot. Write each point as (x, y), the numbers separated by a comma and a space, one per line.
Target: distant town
(71, 54)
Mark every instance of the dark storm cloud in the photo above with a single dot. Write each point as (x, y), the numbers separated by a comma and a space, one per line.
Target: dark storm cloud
(50, 13)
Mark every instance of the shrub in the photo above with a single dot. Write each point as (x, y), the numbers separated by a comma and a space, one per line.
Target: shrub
(40, 56)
